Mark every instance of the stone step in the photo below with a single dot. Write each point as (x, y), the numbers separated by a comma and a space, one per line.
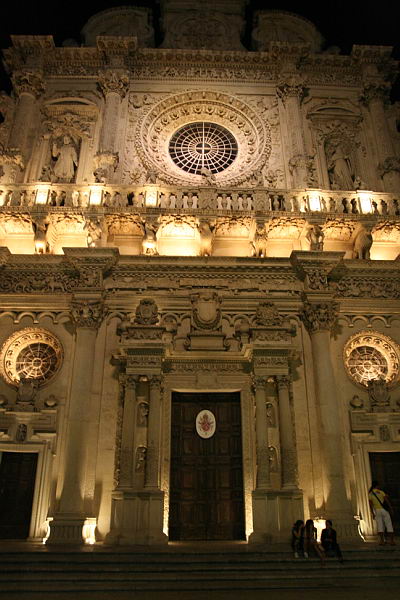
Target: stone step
(75, 571)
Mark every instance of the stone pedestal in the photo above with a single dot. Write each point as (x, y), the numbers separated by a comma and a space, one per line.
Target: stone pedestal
(274, 513)
(137, 518)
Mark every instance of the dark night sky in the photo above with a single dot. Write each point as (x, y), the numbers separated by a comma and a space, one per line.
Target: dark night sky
(342, 23)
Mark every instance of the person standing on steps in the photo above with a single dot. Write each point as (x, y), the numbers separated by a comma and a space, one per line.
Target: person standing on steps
(381, 509)
(310, 541)
(297, 538)
(329, 540)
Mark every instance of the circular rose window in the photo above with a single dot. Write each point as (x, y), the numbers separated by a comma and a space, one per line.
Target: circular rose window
(372, 355)
(30, 354)
(199, 146)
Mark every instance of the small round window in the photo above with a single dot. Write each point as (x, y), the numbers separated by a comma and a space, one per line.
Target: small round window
(203, 147)
(30, 354)
(371, 355)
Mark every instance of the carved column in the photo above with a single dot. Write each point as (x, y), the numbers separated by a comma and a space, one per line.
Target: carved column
(374, 96)
(153, 435)
(114, 85)
(29, 86)
(66, 527)
(126, 457)
(288, 448)
(319, 319)
(291, 94)
(263, 471)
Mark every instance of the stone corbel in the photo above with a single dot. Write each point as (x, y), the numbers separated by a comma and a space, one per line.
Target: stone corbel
(317, 270)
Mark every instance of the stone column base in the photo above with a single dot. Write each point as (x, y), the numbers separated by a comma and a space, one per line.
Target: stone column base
(274, 513)
(137, 518)
(67, 529)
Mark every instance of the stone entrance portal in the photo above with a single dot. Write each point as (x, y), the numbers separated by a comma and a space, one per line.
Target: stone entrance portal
(206, 483)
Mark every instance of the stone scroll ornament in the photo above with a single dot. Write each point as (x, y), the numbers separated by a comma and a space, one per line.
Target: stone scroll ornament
(205, 424)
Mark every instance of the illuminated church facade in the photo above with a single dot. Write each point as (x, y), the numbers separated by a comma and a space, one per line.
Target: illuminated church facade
(199, 281)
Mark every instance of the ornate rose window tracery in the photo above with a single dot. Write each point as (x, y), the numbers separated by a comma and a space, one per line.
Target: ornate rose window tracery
(30, 353)
(249, 137)
(371, 355)
(202, 145)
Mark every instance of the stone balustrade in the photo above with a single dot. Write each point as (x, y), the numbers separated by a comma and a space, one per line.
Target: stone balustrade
(221, 201)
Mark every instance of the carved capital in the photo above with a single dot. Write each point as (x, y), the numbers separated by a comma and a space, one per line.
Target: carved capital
(375, 91)
(88, 314)
(28, 82)
(155, 383)
(259, 383)
(291, 88)
(282, 382)
(131, 382)
(114, 82)
(319, 316)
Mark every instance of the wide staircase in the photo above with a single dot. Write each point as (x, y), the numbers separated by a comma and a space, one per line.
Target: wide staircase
(182, 567)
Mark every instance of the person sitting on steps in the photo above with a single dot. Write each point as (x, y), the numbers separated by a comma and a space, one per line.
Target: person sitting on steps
(310, 541)
(297, 538)
(329, 541)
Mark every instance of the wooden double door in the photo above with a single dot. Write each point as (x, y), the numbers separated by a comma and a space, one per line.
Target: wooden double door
(17, 485)
(206, 483)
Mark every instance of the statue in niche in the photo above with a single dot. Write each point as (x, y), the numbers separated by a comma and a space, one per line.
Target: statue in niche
(340, 168)
(273, 459)
(378, 393)
(140, 458)
(271, 421)
(142, 414)
(66, 159)
(315, 237)
(21, 433)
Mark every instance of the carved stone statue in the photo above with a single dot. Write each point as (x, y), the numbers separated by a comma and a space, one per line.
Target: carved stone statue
(273, 459)
(149, 242)
(340, 167)
(140, 460)
(67, 160)
(142, 414)
(206, 238)
(271, 421)
(260, 242)
(315, 237)
(362, 244)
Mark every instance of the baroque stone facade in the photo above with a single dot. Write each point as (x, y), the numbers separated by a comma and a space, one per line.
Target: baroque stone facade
(136, 263)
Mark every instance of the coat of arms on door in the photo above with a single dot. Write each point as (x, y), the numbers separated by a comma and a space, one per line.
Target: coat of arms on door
(205, 424)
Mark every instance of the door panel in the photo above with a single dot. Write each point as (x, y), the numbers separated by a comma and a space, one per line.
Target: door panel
(206, 493)
(17, 485)
(385, 467)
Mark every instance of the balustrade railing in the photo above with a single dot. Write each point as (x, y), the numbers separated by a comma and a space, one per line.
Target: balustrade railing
(220, 201)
